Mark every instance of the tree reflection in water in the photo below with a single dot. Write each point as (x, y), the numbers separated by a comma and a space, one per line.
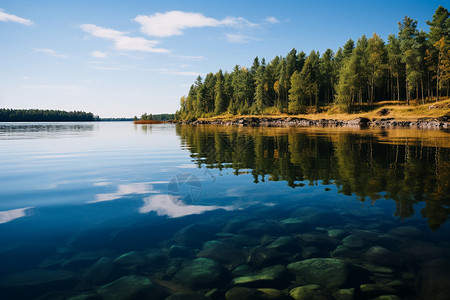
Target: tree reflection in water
(407, 166)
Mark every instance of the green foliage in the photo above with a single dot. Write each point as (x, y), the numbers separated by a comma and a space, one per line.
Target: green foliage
(157, 117)
(362, 73)
(40, 115)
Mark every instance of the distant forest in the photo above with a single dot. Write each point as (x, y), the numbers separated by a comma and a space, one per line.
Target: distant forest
(412, 65)
(156, 117)
(40, 115)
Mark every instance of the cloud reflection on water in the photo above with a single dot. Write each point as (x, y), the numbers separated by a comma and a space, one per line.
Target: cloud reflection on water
(163, 205)
(124, 190)
(9, 215)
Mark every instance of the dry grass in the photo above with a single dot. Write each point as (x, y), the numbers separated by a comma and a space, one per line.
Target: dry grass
(396, 110)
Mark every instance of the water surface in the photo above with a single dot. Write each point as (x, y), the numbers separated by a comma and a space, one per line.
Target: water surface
(85, 204)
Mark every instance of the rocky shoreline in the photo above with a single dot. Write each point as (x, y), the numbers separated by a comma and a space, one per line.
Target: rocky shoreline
(439, 123)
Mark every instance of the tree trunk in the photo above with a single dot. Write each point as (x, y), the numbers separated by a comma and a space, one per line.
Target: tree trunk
(398, 86)
(406, 84)
(421, 85)
(437, 80)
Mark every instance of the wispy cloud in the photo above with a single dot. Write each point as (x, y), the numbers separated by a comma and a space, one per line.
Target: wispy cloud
(176, 72)
(174, 22)
(189, 57)
(99, 54)
(51, 52)
(272, 20)
(55, 87)
(238, 38)
(122, 41)
(5, 17)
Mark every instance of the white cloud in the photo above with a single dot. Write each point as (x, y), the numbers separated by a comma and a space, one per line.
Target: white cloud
(174, 22)
(238, 38)
(51, 52)
(99, 54)
(272, 20)
(4, 17)
(122, 41)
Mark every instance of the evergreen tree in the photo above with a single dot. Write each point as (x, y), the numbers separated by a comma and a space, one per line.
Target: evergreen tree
(377, 63)
(439, 29)
(297, 95)
(220, 104)
(407, 34)
(395, 60)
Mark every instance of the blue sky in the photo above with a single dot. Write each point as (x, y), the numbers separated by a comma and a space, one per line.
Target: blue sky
(124, 58)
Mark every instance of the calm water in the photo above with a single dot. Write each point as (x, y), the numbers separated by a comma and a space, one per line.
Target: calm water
(122, 211)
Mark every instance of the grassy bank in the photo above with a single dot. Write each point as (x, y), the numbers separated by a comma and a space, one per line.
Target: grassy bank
(387, 109)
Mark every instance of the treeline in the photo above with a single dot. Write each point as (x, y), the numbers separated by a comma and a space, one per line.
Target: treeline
(156, 117)
(40, 115)
(412, 64)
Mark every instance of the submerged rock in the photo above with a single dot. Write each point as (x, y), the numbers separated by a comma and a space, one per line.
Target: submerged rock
(293, 224)
(260, 257)
(29, 284)
(319, 239)
(273, 294)
(241, 270)
(132, 287)
(223, 253)
(312, 252)
(179, 251)
(243, 293)
(266, 277)
(284, 244)
(101, 272)
(201, 272)
(327, 272)
(257, 229)
(382, 256)
(187, 296)
(194, 235)
(131, 258)
(374, 290)
(80, 260)
(343, 251)
(309, 292)
(405, 231)
(352, 241)
(239, 240)
(336, 233)
(344, 294)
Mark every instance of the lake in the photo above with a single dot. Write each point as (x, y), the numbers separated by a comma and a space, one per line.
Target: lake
(113, 210)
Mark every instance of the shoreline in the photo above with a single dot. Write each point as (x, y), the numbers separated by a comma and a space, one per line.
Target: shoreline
(434, 123)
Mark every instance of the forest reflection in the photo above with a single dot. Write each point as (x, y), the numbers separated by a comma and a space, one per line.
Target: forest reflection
(407, 166)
